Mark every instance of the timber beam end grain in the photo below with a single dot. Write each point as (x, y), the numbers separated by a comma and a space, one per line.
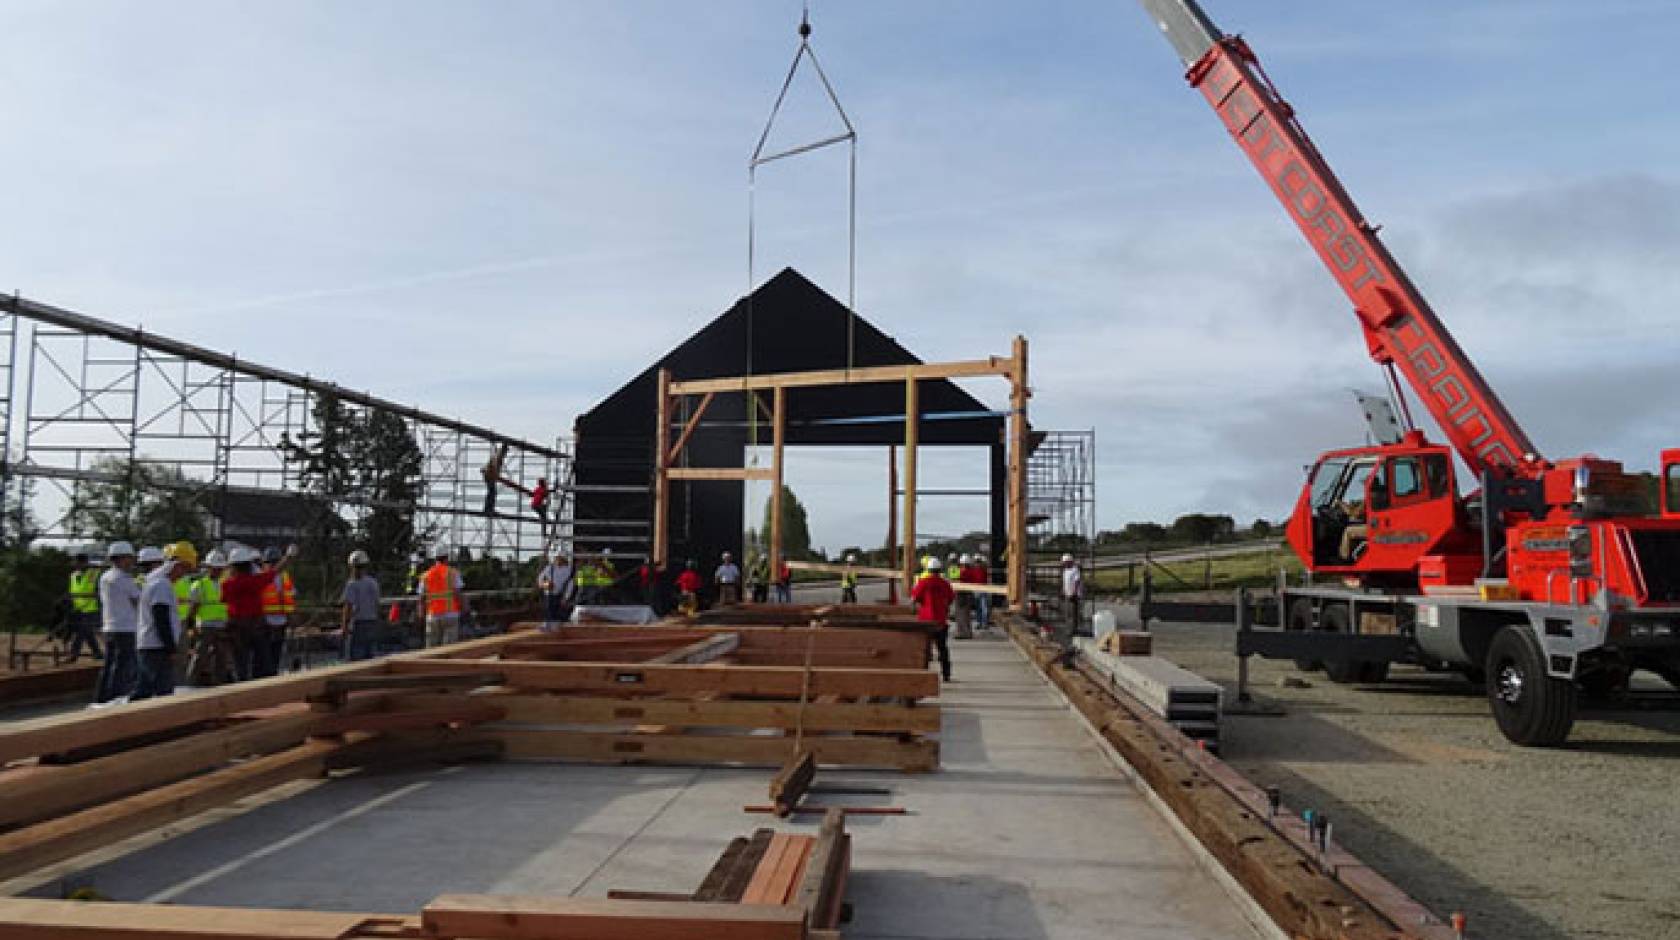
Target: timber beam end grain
(505, 917)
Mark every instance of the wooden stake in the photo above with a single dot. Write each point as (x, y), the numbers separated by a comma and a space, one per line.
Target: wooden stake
(778, 427)
(912, 432)
(661, 472)
(1019, 392)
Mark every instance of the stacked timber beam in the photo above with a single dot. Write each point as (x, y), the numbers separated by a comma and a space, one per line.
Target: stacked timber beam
(714, 694)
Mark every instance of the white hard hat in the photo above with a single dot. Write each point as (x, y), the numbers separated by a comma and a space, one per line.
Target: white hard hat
(932, 563)
(606, 551)
(851, 559)
(216, 559)
(359, 557)
(241, 556)
(726, 556)
(149, 554)
(118, 550)
(440, 552)
(1066, 559)
(979, 559)
(966, 560)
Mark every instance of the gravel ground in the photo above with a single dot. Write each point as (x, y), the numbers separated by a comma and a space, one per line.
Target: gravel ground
(1582, 841)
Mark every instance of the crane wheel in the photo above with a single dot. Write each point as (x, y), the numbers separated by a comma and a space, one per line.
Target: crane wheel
(1335, 618)
(1301, 619)
(1530, 707)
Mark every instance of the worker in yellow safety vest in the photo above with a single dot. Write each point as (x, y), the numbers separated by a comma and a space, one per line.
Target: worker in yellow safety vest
(849, 581)
(213, 660)
(84, 609)
(441, 588)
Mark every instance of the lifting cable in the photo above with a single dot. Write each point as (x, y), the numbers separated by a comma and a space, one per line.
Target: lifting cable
(759, 158)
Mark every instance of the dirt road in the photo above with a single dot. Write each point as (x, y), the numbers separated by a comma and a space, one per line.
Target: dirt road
(1579, 842)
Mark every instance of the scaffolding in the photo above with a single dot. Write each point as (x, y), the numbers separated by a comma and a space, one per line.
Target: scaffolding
(100, 399)
(1061, 506)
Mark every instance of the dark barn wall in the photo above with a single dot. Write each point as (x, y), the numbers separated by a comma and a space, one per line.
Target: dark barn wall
(787, 325)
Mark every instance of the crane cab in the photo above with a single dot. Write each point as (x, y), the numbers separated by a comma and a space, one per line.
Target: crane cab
(1374, 512)
(1670, 500)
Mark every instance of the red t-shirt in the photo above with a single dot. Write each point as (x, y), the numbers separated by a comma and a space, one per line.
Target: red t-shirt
(539, 496)
(689, 581)
(933, 595)
(974, 574)
(243, 593)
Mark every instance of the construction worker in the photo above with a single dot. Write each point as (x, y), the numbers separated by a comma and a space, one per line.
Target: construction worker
(647, 584)
(492, 474)
(1073, 596)
(359, 623)
(932, 595)
(962, 607)
(147, 560)
(242, 590)
(977, 573)
(119, 599)
(442, 587)
(849, 581)
(728, 578)
(84, 609)
(539, 503)
(213, 661)
(279, 602)
(689, 586)
(158, 631)
(606, 577)
(758, 576)
(559, 586)
(784, 583)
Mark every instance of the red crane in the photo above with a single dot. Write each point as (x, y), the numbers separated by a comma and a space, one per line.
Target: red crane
(1555, 571)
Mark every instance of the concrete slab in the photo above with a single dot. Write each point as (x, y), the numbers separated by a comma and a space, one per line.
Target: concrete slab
(1028, 832)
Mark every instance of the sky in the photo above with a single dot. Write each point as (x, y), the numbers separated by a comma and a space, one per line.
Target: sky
(503, 211)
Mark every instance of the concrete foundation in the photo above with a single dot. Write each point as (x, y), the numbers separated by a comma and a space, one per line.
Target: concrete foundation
(1028, 832)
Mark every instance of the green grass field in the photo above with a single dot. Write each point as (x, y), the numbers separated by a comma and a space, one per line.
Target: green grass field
(1254, 570)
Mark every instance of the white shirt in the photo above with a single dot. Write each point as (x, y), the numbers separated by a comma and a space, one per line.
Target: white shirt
(158, 590)
(118, 593)
(1073, 582)
(558, 577)
(728, 573)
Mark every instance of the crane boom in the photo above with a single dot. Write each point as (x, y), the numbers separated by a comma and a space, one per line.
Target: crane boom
(1400, 328)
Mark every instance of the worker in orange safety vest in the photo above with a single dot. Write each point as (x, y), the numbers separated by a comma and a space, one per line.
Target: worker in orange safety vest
(441, 590)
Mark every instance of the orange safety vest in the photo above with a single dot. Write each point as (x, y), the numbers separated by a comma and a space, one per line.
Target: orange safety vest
(439, 584)
(280, 596)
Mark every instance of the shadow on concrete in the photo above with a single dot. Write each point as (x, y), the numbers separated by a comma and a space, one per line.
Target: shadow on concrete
(898, 904)
(1307, 738)
(1492, 914)
(390, 843)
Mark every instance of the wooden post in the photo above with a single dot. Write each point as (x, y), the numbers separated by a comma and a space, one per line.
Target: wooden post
(912, 431)
(778, 427)
(892, 520)
(1018, 395)
(661, 471)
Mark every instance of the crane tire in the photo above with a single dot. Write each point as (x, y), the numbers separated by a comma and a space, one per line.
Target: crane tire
(1301, 619)
(1531, 708)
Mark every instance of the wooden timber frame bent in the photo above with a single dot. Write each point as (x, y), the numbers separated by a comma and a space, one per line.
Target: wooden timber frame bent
(668, 453)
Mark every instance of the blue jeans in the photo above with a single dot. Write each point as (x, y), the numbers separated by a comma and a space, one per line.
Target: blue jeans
(360, 640)
(157, 675)
(116, 677)
(983, 606)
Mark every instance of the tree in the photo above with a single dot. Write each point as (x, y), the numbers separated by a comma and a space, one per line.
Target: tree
(1201, 527)
(32, 585)
(18, 526)
(796, 528)
(1260, 528)
(389, 464)
(140, 501)
(322, 458)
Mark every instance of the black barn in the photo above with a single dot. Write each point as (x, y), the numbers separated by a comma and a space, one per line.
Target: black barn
(787, 325)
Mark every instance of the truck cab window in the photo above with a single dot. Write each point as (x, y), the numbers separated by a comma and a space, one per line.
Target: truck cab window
(1671, 481)
(1403, 479)
(1438, 470)
(1324, 480)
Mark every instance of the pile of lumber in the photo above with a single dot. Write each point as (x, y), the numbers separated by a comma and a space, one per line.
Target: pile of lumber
(731, 694)
(769, 886)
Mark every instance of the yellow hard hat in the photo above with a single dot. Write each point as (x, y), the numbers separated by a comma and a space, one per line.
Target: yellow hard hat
(182, 552)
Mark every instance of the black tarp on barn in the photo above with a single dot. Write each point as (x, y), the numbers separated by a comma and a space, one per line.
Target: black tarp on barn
(787, 325)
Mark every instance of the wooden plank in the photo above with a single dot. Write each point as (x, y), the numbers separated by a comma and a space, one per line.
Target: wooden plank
(508, 917)
(711, 886)
(31, 919)
(461, 712)
(701, 651)
(624, 637)
(688, 680)
(31, 847)
(344, 685)
(818, 809)
(909, 561)
(29, 794)
(733, 885)
(718, 473)
(967, 368)
(540, 708)
(789, 784)
(823, 878)
(916, 755)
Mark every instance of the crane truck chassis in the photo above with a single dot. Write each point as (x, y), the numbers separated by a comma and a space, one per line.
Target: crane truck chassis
(1551, 578)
